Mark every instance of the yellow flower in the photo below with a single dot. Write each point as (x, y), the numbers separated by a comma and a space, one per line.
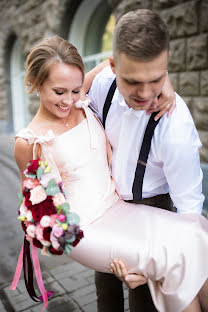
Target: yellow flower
(64, 226)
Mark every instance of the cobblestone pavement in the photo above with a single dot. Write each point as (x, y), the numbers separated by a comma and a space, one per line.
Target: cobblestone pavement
(73, 286)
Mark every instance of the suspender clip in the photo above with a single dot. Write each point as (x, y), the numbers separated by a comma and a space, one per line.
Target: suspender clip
(142, 162)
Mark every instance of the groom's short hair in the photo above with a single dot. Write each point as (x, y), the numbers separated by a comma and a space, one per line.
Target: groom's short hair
(140, 34)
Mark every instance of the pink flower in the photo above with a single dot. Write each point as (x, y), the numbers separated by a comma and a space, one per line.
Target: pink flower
(39, 232)
(30, 183)
(58, 199)
(53, 219)
(45, 221)
(57, 231)
(46, 178)
(56, 245)
(37, 195)
(61, 218)
(31, 230)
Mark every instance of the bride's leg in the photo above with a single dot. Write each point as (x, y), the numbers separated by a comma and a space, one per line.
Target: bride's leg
(194, 306)
(203, 297)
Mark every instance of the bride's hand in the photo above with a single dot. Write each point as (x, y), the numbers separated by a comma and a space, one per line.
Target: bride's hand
(166, 102)
(131, 280)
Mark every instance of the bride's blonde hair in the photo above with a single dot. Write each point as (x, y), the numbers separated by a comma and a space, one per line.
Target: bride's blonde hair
(49, 51)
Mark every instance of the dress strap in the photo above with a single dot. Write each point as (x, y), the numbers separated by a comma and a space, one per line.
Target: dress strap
(90, 116)
(42, 140)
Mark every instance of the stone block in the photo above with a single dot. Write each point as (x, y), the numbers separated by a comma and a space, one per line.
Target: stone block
(189, 83)
(177, 60)
(204, 150)
(203, 16)
(128, 5)
(174, 80)
(92, 307)
(197, 52)
(161, 4)
(182, 20)
(2, 309)
(204, 82)
(201, 112)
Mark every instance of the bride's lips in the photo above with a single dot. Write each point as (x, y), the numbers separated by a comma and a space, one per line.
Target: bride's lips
(63, 108)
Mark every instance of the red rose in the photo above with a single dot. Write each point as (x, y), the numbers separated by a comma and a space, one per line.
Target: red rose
(37, 212)
(55, 252)
(26, 195)
(33, 167)
(47, 206)
(23, 226)
(46, 233)
(37, 243)
(80, 235)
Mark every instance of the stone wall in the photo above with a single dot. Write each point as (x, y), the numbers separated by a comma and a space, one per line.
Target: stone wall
(187, 21)
(188, 66)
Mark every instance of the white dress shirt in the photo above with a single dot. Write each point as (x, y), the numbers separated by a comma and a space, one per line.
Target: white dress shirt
(173, 164)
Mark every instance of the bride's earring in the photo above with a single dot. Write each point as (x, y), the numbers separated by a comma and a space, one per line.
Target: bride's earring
(37, 93)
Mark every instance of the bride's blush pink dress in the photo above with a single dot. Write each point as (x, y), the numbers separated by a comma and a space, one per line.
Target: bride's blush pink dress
(170, 249)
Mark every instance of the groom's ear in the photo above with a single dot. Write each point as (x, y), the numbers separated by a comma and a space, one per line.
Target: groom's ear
(112, 63)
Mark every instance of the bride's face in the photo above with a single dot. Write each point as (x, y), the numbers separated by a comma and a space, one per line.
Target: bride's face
(61, 89)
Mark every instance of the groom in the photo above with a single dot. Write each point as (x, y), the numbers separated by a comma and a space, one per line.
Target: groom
(154, 162)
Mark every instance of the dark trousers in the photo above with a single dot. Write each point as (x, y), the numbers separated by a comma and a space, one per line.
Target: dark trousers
(110, 289)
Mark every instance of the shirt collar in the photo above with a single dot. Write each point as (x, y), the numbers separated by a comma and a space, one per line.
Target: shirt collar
(119, 99)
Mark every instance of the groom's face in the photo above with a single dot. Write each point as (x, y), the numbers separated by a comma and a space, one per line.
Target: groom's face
(140, 82)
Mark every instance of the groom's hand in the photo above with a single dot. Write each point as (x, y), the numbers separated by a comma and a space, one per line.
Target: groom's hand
(131, 280)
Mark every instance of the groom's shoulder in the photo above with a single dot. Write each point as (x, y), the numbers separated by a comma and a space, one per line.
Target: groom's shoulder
(179, 124)
(104, 79)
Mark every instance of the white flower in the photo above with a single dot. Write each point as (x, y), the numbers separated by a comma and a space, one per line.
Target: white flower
(23, 209)
(37, 195)
(45, 243)
(31, 230)
(45, 221)
(29, 216)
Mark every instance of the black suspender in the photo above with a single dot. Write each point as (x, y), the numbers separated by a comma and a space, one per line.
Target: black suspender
(108, 101)
(145, 148)
(143, 156)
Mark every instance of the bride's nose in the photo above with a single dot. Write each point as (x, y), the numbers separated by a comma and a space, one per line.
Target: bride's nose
(68, 100)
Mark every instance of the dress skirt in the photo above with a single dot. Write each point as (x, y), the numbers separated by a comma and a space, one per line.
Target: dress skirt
(170, 249)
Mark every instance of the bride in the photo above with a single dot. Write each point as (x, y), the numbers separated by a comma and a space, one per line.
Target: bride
(169, 249)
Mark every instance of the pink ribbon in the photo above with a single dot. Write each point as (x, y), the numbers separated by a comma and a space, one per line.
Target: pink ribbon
(18, 270)
(36, 264)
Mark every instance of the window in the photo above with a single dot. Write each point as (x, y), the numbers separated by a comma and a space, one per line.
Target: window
(91, 31)
(19, 96)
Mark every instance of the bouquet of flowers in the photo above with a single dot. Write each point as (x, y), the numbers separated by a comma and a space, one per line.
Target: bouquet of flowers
(44, 213)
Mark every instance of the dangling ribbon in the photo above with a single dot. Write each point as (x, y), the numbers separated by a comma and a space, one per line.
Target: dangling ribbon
(24, 261)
